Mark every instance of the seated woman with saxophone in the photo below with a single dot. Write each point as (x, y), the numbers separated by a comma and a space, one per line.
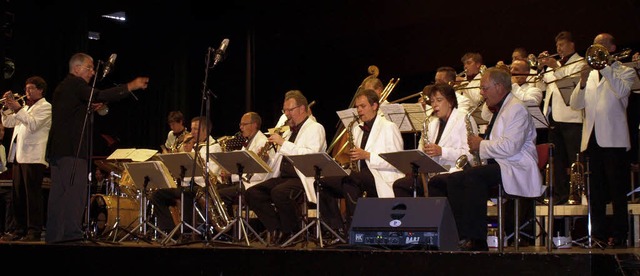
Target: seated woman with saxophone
(163, 198)
(257, 142)
(444, 137)
(369, 134)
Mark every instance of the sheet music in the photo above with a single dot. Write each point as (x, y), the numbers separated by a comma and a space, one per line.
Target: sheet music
(137, 155)
(566, 86)
(539, 120)
(416, 114)
(395, 113)
(347, 115)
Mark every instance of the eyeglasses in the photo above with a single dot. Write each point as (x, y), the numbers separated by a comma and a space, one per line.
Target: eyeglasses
(290, 109)
(485, 88)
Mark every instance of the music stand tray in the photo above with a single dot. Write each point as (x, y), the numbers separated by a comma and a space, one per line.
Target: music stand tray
(405, 160)
(180, 162)
(566, 86)
(316, 165)
(240, 162)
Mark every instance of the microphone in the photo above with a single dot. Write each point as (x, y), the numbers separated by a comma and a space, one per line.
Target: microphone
(109, 65)
(220, 53)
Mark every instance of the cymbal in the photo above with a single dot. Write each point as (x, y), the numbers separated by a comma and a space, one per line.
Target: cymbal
(108, 166)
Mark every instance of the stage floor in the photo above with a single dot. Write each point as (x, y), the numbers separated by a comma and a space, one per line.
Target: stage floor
(236, 258)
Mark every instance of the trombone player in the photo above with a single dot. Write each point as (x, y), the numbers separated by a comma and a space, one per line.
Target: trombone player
(603, 95)
(565, 123)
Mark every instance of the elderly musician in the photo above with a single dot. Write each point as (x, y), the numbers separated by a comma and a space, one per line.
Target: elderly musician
(276, 200)
(511, 156)
(603, 96)
(370, 173)
(256, 142)
(444, 139)
(565, 123)
(31, 125)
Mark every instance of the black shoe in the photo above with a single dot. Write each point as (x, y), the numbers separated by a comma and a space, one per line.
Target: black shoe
(274, 238)
(31, 237)
(616, 243)
(473, 245)
(11, 237)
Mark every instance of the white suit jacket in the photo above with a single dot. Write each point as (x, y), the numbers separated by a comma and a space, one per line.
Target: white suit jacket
(604, 102)
(31, 125)
(559, 110)
(311, 138)
(256, 144)
(512, 145)
(473, 93)
(529, 94)
(212, 165)
(384, 137)
(453, 140)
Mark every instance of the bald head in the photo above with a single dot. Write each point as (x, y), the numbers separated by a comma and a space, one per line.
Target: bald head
(607, 41)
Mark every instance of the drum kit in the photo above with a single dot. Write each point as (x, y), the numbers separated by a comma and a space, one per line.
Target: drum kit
(117, 211)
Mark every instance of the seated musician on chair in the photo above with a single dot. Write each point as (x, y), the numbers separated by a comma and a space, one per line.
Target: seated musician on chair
(258, 143)
(163, 198)
(443, 139)
(370, 173)
(273, 200)
(512, 161)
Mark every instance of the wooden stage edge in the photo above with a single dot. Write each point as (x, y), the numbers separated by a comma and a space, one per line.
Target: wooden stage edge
(218, 258)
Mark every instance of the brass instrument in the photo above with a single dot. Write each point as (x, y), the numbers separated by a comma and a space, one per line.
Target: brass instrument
(17, 97)
(231, 143)
(425, 131)
(211, 201)
(576, 182)
(387, 89)
(353, 164)
(279, 130)
(263, 153)
(598, 57)
(463, 161)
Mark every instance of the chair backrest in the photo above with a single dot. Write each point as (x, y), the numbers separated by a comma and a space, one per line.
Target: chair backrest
(543, 154)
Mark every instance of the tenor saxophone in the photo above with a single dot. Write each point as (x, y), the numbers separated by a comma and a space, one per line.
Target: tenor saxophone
(353, 164)
(211, 201)
(576, 182)
(263, 153)
(463, 162)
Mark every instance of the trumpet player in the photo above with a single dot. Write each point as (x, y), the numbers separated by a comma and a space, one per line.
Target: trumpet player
(373, 175)
(473, 67)
(190, 183)
(444, 140)
(565, 123)
(31, 125)
(447, 75)
(603, 95)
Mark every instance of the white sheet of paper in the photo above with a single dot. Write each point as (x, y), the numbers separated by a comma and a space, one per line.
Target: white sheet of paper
(347, 115)
(395, 113)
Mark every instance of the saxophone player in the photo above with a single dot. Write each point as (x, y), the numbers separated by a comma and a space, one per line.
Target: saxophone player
(190, 184)
(374, 135)
(512, 161)
(275, 200)
(257, 142)
(444, 140)
(177, 134)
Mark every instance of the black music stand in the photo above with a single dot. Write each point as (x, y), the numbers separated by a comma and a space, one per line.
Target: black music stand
(413, 162)
(178, 164)
(316, 165)
(241, 162)
(149, 174)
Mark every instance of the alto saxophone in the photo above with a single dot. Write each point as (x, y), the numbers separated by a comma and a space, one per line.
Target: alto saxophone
(576, 182)
(353, 164)
(425, 131)
(463, 161)
(211, 201)
(263, 153)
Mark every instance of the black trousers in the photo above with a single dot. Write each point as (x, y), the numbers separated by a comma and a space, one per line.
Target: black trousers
(67, 199)
(276, 203)
(27, 203)
(403, 187)
(468, 192)
(566, 139)
(350, 188)
(162, 199)
(609, 180)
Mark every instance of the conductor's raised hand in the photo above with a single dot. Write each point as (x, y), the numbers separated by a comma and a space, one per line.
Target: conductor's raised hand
(138, 83)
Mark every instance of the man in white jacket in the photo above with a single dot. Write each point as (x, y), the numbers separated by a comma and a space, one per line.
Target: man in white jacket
(512, 161)
(603, 95)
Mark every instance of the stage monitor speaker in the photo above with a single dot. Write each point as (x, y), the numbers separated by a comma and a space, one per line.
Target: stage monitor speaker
(404, 222)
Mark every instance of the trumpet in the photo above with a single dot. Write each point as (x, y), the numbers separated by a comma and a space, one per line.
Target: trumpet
(17, 97)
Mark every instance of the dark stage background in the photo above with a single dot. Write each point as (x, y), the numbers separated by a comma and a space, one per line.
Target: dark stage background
(322, 48)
